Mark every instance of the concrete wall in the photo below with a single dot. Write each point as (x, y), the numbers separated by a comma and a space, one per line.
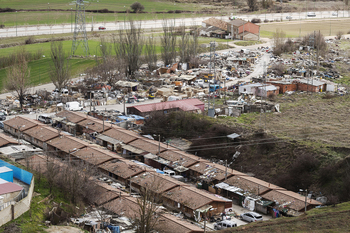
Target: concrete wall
(250, 36)
(9, 196)
(16, 210)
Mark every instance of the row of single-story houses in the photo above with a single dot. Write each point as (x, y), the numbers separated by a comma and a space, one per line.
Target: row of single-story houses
(120, 202)
(130, 145)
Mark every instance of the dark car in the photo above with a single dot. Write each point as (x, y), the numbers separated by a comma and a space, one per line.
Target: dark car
(2, 116)
(101, 28)
(1, 125)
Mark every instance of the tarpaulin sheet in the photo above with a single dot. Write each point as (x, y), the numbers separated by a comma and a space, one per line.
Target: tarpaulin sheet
(18, 173)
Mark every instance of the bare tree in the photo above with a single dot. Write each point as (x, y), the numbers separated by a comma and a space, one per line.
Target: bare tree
(194, 45)
(105, 49)
(340, 35)
(150, 53)
(253, 5)
(146, 213)
(168, 41)
(278, 41)
(75, 180)
(52, 170)
(18, 76)
(59, 69)
(128, 46)
(184, 44)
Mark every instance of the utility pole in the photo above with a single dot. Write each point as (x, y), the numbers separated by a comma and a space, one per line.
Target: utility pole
(16, 23)
(71, 20)
(305, 199)
(90, 101)
(225, 170)
(103, 120)
(80, 28)
(158, 145)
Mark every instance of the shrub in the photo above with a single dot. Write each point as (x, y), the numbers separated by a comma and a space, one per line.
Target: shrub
(340, 35)
(178, 11)
(30, 40)
(137, 7)
(103, 11)
(170, 12)
(266, 21)
(256, 20)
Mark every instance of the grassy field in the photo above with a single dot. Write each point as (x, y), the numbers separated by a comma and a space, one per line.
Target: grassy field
(112, 5)
(60, 17)
(328, 219)
(295, 28)
(39, 70)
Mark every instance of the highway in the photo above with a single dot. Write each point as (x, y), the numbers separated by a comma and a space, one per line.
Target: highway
(156, 24)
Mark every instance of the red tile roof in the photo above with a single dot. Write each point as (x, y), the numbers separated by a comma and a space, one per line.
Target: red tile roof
(148, 145)
(4, 140)
(42, 132)
(67, 143)
(95, 155)
(191, 197)
(155, 182)
(22, 122)
(74, 117)
(252, 184)
(168, 223)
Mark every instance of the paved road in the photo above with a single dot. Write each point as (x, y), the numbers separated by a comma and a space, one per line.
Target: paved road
(149, 24)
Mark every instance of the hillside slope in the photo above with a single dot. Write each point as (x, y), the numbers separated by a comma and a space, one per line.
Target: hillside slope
(328, 219)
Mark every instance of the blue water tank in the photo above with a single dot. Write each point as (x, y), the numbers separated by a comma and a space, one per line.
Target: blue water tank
(6, 174)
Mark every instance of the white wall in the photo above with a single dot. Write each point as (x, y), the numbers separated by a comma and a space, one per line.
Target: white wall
(19, 208)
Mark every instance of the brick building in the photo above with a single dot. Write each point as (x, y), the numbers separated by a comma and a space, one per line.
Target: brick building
(243, 30)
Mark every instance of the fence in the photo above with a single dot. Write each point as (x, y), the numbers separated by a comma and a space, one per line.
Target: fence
(14, 210)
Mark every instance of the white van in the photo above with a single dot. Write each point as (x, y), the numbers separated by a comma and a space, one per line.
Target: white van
(73, 106)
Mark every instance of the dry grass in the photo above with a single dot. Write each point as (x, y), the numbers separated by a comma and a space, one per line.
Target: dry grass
(329, 219)
(311, 119)
(301, 28)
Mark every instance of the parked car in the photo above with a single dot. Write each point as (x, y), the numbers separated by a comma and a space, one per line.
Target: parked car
(2, 116)
(311, 14)
(289, 17)
(224, 224)
(251, 217)
(1, 125)
(335, 14)
(101, 28)
(45, 119)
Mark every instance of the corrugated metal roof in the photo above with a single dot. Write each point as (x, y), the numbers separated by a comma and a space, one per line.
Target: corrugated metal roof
(9, 188)
(2, 181)
(185, 105)
(5, 169)
(108, 139)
